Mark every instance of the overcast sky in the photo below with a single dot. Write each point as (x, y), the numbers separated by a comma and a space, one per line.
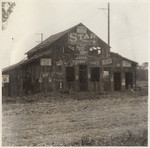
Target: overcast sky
(128, 31)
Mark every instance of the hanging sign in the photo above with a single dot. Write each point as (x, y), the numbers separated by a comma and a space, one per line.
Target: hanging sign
(106, 61)
(126, 64)
(5, 78)
(46, 62)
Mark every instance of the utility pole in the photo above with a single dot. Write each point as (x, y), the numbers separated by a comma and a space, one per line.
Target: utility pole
(41, 34)
(108, 18)
(108, 24)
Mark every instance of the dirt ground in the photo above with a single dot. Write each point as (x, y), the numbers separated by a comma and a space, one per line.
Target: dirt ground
(62, 120)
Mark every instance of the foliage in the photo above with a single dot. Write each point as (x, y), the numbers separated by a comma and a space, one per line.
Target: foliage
(142, 72)
(7, 9)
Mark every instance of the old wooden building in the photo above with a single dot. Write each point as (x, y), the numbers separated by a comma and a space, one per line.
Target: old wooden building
(73, 60)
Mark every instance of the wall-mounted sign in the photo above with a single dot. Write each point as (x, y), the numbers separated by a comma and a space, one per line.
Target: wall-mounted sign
(57, 74)
(82, 50)
(81, 29)
(94, 62)
(89, 75)
(82, 38)
(126, 64)
(106, 61)
(81, 58)
(59, 79)
(46, 62)
(82, 61)
(105, 73)
(49, 79)
(44, 74)
(5, 78)
(40, 80)
(118, 64)
(123, 81)
(59, 63)
(77, 77)
(111, 79)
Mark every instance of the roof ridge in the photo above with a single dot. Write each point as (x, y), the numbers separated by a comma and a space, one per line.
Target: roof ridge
(62, 32)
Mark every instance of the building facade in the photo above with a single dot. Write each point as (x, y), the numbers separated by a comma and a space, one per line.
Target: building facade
(73, 60)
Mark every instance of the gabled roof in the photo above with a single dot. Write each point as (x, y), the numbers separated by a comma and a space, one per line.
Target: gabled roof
(50, 40)
(54, 38)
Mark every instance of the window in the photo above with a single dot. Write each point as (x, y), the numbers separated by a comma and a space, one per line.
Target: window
(70, 76)
(95, 74)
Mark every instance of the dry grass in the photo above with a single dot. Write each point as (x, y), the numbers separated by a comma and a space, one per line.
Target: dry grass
(76, 119)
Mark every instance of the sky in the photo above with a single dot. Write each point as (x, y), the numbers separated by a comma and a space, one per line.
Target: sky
(128, 25)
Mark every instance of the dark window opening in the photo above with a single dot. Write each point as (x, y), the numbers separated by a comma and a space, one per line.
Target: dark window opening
(95, 74)
(70, 76)
(128, 80)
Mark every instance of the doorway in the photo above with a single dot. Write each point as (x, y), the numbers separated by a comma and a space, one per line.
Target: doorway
(83, 80)
(117, 81)
(129, 80)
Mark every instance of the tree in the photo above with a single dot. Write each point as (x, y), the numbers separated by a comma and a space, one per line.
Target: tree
(7, 9)
(142, 72)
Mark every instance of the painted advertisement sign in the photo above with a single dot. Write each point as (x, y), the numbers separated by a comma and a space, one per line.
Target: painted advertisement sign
(5, 78)
(82, 38)
(46, 62)
(126, 64)
(105, 73)
(81, 29)
(106, 61)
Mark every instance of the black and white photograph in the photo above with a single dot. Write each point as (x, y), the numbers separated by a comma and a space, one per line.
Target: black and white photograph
(74, 73)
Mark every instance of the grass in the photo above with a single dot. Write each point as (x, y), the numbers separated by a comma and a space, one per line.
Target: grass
(80, 119)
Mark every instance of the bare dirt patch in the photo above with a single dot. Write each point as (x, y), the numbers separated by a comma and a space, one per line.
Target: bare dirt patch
(67, 120)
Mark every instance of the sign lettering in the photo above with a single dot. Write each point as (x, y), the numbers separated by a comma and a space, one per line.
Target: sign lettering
(82, 38)
(107, 61)
(46, 62)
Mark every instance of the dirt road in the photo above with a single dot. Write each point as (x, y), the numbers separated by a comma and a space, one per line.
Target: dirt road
(116, 121)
